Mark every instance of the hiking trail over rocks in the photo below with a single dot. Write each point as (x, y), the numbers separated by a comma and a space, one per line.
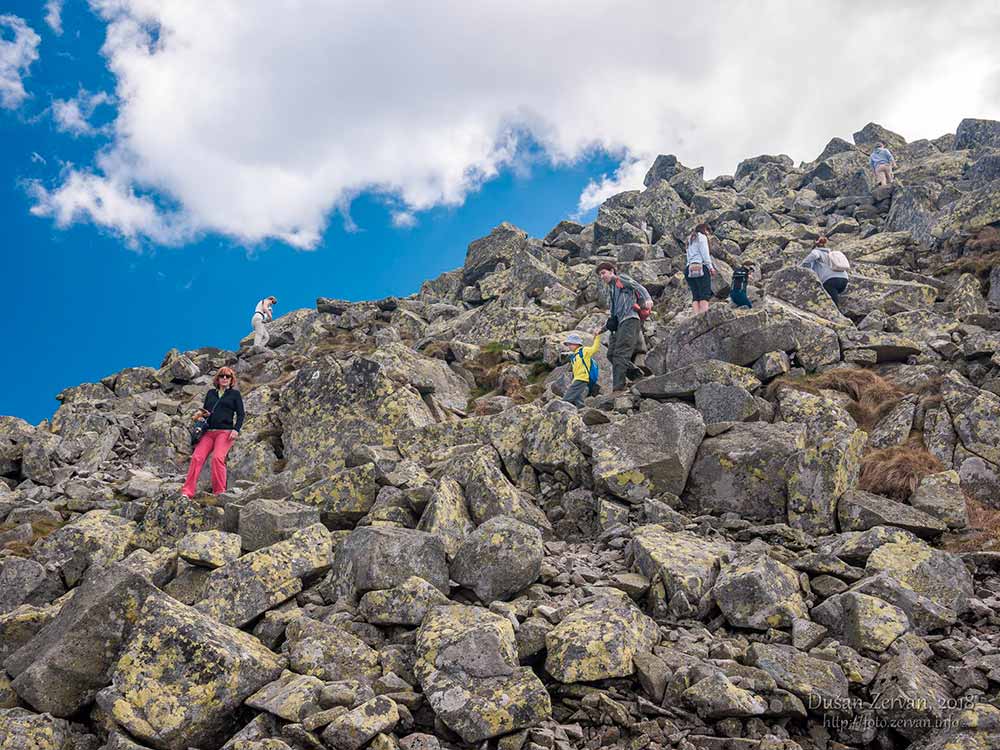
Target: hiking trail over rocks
(786, 538)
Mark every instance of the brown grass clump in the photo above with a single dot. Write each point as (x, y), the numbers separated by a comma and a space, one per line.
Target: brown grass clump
(895, 472)
(872, 396)
(438, 350)
(982, 534)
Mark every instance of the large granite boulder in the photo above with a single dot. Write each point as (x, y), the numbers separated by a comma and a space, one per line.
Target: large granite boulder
(381, 557)
(648, 454)
(239, 591)
(468, 669)
(756, 591)
(63, 666)
(499, 559)
(181, 676)
(485, 254)
(598, 641)
(745, 470)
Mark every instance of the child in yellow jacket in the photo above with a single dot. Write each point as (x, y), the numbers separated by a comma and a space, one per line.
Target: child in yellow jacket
(581, 359)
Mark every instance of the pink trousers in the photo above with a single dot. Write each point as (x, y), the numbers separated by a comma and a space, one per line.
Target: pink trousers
(218, 443)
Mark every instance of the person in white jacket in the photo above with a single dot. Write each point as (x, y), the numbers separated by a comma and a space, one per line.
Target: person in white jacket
(834, 282)
(262, 315)
(699, 269)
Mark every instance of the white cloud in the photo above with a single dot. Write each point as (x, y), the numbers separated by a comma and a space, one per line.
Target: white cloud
(256, 122)
(18, 49)
(628, 176)
(73, 115)
(53, 15)
(404, 219)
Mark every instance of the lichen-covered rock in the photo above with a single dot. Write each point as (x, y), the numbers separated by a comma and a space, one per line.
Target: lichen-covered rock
(499, 559)
(940, 495)
(756, 591)
(871, 624)
(181, 676)
(173, 518)
(716, 697)
(598, 641)
(25, 582)
(894, 428)
(377, 557)
(96, 538)
(447, 516)
(238, 592)
(467, 667)
(649, 454)
(330, 407)
(820, 684)
(829, 464)
(405, 604)
(264, 522)
(725, 403)
(801, 287)
(22, 730)
(911, 695)
(683, 564)
(343, 498)
(287, 696)
(489, 493)
(940, 576)
(499, 246)
(210, 549)
(357, 727)
(975, 414)
(858, 510)
(328, 652)
(69, 659)
(684, 382)
(745, 470)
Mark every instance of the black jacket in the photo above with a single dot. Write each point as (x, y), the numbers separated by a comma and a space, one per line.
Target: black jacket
(229, 414)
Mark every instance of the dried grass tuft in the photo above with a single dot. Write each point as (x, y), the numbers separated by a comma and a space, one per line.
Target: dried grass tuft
(872, 396)
(896, 471)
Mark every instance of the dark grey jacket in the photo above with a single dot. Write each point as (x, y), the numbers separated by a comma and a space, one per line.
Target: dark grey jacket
(620, 301)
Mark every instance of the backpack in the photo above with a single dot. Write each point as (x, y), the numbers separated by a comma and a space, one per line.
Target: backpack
(593, 372)
(839, 261)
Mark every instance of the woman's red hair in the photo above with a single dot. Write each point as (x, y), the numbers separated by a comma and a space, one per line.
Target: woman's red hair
(225, 371)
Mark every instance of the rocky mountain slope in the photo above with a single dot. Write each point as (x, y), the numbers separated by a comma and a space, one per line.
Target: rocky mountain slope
(785, 538)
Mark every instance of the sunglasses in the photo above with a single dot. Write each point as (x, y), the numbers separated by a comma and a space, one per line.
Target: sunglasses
(230, 377)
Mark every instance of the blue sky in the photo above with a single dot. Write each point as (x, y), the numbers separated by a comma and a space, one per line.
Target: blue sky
(82, 304)
(165, 165)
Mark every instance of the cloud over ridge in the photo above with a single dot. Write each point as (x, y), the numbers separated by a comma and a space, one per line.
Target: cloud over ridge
(257, 123)
(18, 50)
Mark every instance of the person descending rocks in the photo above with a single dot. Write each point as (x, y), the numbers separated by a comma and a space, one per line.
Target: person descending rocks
(629, 304)
(699, 269)
(738, 289)
(262, 315)
(830, 266)
(882, 162)
(223, 408)
(584, 368)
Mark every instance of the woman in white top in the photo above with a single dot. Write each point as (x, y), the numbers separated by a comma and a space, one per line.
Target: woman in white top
(261, 316)
(698, 269)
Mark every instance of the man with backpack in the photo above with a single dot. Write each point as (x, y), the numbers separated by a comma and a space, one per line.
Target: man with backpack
(630, 304)
(882, 162)
(585, 369)
(831, 266)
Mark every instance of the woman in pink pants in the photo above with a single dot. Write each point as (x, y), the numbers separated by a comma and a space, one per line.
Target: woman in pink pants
(224, 409)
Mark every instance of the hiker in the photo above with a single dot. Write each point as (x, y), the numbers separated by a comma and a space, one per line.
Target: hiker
(223, 408)
(584, 368)
(698, 269)
(882, 162)
(261, 316)
(830, 266)
(630, 304)
(738, 289)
